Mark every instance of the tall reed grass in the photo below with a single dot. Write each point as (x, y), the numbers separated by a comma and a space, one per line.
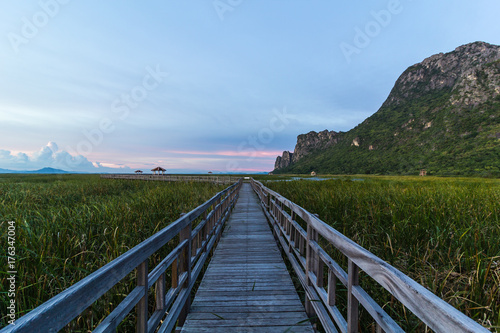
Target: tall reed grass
(442, 232)
(71, 225)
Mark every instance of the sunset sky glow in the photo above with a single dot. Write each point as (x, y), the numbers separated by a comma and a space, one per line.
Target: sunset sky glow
(198, 86)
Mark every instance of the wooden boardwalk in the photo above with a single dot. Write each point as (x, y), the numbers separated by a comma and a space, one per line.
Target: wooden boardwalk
(246, 287)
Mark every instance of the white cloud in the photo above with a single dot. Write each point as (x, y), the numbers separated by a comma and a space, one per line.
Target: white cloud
(51, 156)
(53, 146)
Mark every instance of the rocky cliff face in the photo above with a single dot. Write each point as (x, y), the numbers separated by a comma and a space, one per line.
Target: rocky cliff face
(306, 144)
(470, 71)
(442, 115)
(283, 161)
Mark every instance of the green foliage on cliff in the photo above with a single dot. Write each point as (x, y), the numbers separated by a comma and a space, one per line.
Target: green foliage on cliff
(447, 122)
(450, 141)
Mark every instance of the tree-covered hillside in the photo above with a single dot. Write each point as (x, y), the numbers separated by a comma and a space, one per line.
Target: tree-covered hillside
(443, 115)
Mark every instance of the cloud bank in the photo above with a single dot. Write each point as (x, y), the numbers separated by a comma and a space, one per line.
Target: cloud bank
(53, 157)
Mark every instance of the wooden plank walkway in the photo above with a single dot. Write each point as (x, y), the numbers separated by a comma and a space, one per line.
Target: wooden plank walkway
(246, 287)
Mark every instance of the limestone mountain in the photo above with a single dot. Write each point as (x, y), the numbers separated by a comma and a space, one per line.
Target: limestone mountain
(306, 144)
(442, 115)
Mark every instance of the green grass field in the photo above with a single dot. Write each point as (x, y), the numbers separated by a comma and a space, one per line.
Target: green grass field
(442, 232)
(68, 226)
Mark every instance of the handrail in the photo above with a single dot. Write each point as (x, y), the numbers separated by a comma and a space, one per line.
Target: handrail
(175, 178)
(186, 260)
(309, 259)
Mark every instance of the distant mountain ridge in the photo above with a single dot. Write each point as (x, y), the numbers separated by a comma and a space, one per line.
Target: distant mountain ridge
(442, 115)
(41, 171)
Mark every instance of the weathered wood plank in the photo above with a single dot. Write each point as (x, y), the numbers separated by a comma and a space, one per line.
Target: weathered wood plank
(237, 297)
(239, 329)
(245, 315)
(244, 283)
(224, 292)
(210, 308)
(247, 282)
(249, 278)
(247, 288)
(283, 322)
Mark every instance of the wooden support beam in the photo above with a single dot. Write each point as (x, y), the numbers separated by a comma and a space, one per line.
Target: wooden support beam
(142, 306)
(185, 267)
(310, 266)
(352, 302)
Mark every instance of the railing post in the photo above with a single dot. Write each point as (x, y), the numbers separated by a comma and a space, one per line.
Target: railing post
(282, 217)
(142, 306)
(275, 210)
(185, 267)
(160, 292)
(175, 274)
(352, 302)
(332, 288)
(286, 222)
(218, 215)
(301, 242)
(268, 202)
(320, 266)
(312, 235)
(292, 232)
(270, 207)
(275, 218)
(205, 235)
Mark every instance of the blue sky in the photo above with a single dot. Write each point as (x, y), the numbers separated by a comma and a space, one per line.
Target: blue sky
(206, 85)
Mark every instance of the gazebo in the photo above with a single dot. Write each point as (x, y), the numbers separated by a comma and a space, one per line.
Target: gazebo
(138, 172)
(158, 169)
(313, 174)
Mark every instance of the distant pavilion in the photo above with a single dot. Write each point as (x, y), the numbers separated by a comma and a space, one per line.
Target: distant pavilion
(138, 172)
(158, 169)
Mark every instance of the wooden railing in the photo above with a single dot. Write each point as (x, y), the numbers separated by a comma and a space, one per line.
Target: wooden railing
(176, 178)
(309, 260)
(171, 306)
